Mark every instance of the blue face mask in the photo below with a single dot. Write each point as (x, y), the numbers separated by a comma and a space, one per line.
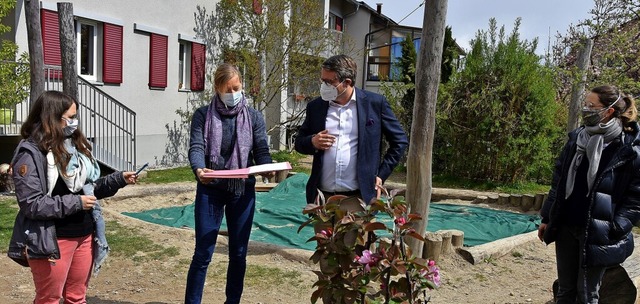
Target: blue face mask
(231, 99)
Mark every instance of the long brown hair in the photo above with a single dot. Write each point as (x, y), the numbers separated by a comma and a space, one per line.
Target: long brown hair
(625, 107)
(43, 127)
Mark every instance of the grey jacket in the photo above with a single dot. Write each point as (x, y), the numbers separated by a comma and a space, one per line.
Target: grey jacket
(34, 232)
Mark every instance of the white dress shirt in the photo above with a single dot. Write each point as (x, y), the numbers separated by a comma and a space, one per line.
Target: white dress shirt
(339, 162)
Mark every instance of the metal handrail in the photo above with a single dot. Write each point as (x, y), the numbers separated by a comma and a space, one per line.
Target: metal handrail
(106, 122)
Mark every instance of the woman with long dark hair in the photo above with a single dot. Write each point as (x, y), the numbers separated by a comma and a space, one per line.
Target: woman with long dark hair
(57, 184)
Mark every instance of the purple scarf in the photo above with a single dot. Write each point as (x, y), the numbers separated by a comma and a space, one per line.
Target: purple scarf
(243, 137)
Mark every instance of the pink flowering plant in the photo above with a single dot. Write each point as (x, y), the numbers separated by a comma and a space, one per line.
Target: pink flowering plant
(356, 264)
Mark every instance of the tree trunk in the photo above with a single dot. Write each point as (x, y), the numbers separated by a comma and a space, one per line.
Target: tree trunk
(36, 57)
(419, 186)
(68, 49)
(577, 90)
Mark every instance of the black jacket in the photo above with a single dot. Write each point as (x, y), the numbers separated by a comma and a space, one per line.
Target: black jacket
(614, 202)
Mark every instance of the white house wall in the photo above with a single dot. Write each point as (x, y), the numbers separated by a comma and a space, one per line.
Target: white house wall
(356, 29)
(154, 107)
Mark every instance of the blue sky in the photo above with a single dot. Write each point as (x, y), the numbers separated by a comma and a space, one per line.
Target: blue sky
(540, 18)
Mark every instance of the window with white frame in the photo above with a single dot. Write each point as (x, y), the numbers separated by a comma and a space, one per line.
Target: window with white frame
(191, 60)
(88, 50)
(184, 68)
(99, 46)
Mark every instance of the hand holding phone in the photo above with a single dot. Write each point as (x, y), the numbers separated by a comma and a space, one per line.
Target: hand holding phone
(142, 168)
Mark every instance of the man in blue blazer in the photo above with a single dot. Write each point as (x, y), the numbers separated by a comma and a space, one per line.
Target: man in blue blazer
(343, 130)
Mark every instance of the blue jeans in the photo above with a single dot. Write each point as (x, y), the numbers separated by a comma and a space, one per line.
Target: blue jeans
(576, 284)
(210, 206)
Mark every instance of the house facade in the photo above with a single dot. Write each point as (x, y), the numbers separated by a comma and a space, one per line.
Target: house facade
(144, 56)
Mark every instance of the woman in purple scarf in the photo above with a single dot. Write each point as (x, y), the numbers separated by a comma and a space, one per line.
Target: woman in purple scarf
(226, 134)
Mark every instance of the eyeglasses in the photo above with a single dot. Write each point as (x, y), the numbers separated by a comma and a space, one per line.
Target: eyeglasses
(329, 82)
(591, 106)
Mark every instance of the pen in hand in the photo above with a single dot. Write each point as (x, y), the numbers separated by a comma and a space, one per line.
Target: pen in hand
(141, 168)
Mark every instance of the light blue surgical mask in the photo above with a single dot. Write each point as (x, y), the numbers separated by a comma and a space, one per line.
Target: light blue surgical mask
(72, 126)
(231, 99)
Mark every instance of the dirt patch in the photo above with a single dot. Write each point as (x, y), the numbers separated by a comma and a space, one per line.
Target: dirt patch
(524, 276)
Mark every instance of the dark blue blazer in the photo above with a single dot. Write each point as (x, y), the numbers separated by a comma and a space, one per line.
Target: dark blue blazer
(375, 120)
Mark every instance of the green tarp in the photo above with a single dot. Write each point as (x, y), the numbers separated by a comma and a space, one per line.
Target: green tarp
(279, 214)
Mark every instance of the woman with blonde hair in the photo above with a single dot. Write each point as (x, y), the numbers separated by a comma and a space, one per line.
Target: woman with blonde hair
(226, 134)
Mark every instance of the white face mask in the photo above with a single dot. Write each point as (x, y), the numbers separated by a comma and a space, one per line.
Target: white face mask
(72, 126)
(231, 99)
(329, 92)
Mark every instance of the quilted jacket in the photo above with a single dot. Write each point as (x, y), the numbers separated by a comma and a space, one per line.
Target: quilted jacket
(614, 202)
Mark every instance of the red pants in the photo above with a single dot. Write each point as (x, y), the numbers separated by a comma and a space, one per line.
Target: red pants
(67, 277)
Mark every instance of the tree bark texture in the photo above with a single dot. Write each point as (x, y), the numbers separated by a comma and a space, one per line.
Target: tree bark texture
(419, 167)
(577, 90)
(68, 49)
(36, 55)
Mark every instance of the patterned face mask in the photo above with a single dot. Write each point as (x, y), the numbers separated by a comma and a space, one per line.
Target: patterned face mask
(592, 117)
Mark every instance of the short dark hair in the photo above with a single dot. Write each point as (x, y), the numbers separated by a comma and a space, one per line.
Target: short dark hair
(344, 66)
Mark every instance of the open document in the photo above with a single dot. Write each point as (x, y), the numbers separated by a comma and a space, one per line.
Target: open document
(245, 172)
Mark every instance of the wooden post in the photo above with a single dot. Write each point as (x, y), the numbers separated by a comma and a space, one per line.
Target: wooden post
(527, 202)
(503, 199)
(36, 57)
(281, 175)
(68, 49)
(577, 90)
(537, 203)
(493, 199)
(479, 199)
(432, 246)
(419, 167)
(446, 241)
(496, 248)
(515, 200)
(457, 238)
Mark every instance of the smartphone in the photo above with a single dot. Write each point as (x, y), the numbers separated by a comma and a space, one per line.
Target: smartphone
(142, 168)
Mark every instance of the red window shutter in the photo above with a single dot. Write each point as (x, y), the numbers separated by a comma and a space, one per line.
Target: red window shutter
(50, 37)
(257, 7)
(198, 55)
(158, 61)
(112, 54)
(338, 24)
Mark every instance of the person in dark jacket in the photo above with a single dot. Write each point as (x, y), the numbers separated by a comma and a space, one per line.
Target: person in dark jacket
(226, 134)
(594, 199)
(54, 228)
